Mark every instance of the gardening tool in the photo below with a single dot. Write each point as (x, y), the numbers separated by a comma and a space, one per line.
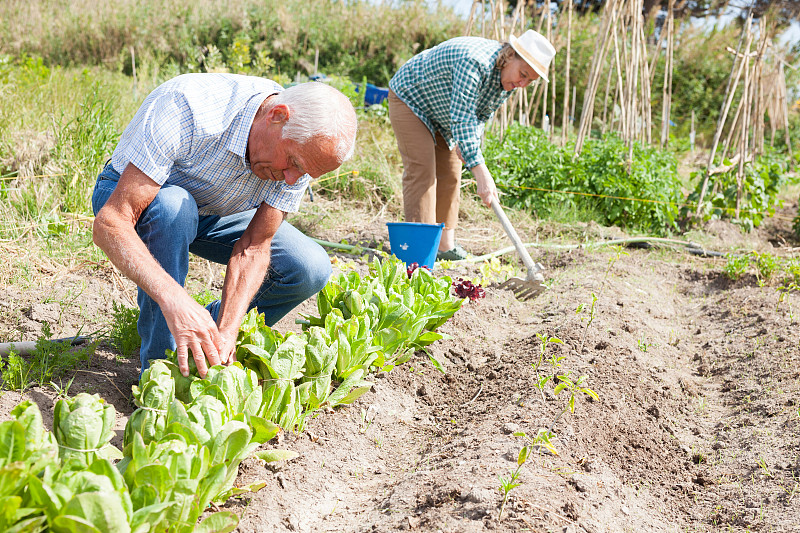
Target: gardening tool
(532, 285)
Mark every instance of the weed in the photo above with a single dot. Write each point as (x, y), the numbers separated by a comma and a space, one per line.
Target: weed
(766, 265)
(15, 372)
(204, 298)
(123, 334)
(61, 390)
(764, 467)
(736, 266)
(493, 271)
(49, 360)
(642, 345)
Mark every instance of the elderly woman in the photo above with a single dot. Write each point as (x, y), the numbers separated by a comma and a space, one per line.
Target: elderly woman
(438, 104)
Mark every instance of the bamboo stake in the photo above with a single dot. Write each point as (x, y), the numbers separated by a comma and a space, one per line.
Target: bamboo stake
(746, 100)
(594, 75)
(564, 113)
(666, 102)
(725, 107)
(647, 107)
(603, 128)
(471, 17)
(786, 114)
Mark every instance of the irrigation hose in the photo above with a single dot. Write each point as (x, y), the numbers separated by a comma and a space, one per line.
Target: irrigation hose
(645, 242)
(28, 347)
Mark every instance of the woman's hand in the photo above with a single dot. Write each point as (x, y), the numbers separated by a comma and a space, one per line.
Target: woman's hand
(487, 190)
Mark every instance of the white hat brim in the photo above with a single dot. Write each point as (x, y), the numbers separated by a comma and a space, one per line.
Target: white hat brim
(529, 59)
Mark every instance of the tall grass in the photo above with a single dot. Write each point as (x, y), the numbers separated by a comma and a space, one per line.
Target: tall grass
(356, 38)
(57, 127)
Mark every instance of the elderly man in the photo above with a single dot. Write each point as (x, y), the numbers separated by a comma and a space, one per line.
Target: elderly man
(211, 164)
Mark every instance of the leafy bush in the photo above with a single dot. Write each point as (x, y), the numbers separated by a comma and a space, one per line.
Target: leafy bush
(762, 182)
(609, 188)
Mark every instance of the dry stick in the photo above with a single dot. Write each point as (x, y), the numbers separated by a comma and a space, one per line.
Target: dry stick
(471, 18)
(666, 102)
(565, 112)
(746, 99)
(758, 134)
(534, 110)
(605, 100)
(725, 107)
(553, 104)
(633, 81)
(619, 92)
(786, 113)
(733, 133)
(648, 109)
(657, 52)
(572, 108)
(549, 36)
(594, 75)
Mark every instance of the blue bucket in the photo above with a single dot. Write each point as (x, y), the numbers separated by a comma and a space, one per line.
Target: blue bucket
(414, 242)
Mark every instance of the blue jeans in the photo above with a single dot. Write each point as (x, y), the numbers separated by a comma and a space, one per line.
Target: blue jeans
(171, 227)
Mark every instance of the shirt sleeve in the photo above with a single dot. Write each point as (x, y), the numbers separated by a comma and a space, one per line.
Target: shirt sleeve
(465, 126)
(287, 198)
(159, 135)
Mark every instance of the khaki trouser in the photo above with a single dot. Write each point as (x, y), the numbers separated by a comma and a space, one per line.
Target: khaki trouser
(431, 172)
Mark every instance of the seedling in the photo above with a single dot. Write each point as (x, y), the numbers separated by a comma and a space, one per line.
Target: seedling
(545, 340)
(589, 319)
(493, 271)
(507, 485)
(574, 388)
(643, 346)
(764, 467)
(541, 440)
(736, 266)
(61, 390)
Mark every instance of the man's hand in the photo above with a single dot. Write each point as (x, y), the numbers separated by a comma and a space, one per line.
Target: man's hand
(486, 187)
(246, 270)
(193, 329)
(227, 349)
(114, 232)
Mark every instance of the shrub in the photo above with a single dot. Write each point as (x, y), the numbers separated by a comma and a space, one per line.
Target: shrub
(608, 188)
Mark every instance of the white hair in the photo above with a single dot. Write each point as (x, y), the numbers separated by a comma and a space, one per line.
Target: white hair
(319, 111)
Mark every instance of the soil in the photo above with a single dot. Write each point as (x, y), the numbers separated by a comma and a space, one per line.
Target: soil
(697, 426)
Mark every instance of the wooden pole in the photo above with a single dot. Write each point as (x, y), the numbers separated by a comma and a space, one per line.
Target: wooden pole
(786, 115)
(565, 111)
(666, 94)
(604, 126)
(609, 17)
(725, 106)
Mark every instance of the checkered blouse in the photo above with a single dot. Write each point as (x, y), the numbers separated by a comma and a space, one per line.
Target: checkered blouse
(454, 89)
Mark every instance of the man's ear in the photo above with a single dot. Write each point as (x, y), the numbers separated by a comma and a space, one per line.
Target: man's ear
(278, 114)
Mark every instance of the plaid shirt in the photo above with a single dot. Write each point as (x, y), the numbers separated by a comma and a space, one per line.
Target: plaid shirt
(192, 132)
(454, 88)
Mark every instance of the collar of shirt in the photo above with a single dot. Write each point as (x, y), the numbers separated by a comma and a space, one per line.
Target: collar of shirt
(241, 129)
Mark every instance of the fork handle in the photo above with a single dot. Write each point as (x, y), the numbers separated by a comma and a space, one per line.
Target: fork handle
(532, 267)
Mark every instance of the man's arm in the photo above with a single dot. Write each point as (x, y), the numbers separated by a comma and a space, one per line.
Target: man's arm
(114, 232)
(246, 270)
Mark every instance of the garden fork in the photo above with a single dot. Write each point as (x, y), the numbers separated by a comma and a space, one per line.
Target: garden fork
(532, 285)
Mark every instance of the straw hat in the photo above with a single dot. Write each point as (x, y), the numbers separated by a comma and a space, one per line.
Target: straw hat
(536, 50)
